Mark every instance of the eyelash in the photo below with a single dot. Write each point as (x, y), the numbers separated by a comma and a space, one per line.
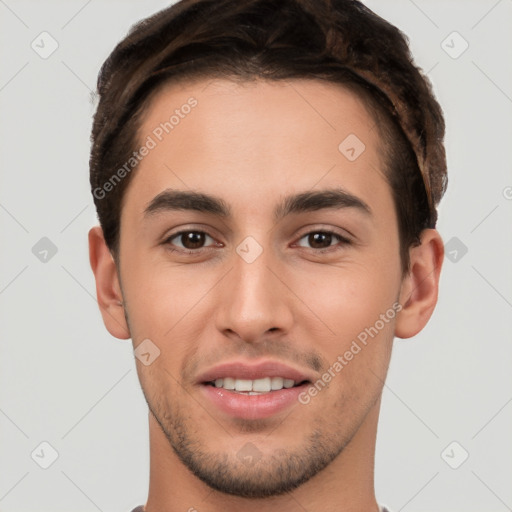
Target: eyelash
(343, 240)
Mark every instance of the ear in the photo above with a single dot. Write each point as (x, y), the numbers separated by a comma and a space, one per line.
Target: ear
(418, 293)
(108, 290)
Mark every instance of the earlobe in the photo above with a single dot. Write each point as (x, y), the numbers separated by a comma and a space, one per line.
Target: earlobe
(418, 294)
(108, 290)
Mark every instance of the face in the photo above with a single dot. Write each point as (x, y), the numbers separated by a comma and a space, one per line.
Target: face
(284, 271)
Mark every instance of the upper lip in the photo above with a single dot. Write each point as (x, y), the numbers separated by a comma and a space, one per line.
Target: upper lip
(245, 370)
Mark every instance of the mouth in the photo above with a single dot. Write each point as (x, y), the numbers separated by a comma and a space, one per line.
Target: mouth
(245, 390)
(255, 387)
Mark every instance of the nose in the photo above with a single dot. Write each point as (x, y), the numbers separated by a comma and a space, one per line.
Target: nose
(254, 300)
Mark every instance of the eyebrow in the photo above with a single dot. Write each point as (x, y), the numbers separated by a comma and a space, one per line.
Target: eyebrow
(181, 200)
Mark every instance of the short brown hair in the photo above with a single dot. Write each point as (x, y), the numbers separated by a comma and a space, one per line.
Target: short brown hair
(340, 41)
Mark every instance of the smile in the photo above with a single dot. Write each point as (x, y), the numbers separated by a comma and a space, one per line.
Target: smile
(254, 387)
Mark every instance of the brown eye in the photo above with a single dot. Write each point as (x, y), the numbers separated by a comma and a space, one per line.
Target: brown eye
(322, 239)
(188, 241)
(319, 240)
(192, 239)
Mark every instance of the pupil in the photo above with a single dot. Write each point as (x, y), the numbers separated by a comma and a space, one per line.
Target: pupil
(319, 238)
(192, 240)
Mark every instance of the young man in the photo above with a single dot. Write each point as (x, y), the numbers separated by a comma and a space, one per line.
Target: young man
(266, 175)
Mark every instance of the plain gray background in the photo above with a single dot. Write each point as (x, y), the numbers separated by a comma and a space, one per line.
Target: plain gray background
(65, 381)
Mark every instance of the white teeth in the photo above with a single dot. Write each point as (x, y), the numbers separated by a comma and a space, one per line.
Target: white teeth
(277, 383)
(262, 385)
(254, 387)
(243, 385)
(229, 383)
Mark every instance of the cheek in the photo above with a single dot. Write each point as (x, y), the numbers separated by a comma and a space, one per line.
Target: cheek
(349, 299)
(166, 300)
(359, 310)
(357, 345)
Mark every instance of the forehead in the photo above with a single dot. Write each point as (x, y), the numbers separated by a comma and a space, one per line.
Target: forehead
(256, 139)
(238, 108)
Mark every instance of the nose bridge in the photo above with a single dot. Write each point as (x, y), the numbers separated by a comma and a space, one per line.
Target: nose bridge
(253, 300)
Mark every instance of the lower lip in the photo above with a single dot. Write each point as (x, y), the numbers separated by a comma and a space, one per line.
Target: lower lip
(252, 407)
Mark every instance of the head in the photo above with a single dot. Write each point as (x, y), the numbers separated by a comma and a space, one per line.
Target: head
(302, 149)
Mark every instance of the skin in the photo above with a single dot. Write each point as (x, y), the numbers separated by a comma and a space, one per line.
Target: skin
(252, 144)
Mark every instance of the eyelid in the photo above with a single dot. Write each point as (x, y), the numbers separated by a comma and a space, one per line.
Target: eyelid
(196, 228)
(343, 234)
